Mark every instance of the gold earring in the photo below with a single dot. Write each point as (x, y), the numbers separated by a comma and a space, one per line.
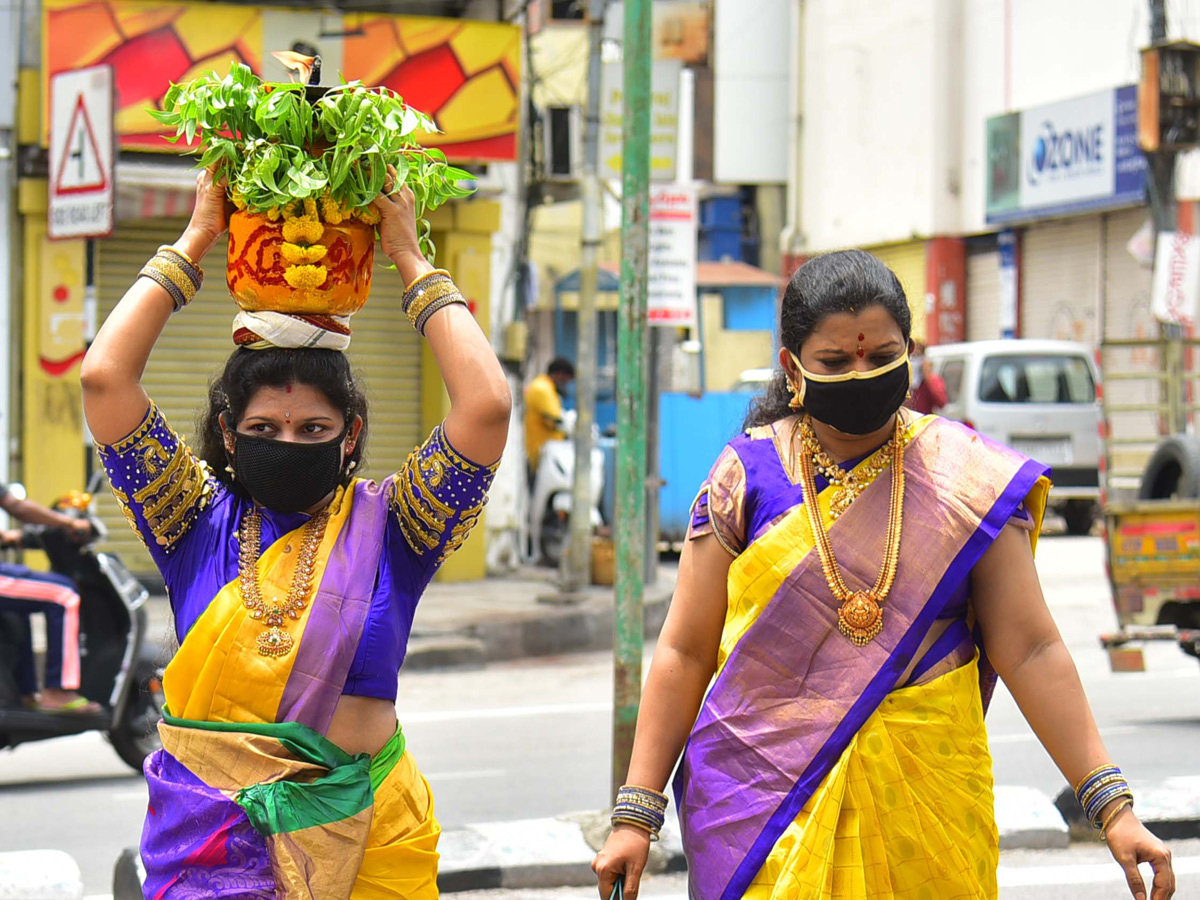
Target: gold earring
(797, 401)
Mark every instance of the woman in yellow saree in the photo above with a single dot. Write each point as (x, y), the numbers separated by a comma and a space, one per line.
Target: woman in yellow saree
(283, 771)
(855, 578)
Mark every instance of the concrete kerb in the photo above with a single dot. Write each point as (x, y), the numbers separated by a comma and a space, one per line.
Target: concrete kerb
(546, 630)
(39, 875)
(558, 852)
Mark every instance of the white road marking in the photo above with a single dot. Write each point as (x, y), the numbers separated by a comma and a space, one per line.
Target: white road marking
(1092, 873)
(1030, 737)
(505, 712)
(466, 774)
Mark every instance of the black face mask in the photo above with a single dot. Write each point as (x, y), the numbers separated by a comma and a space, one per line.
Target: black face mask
(287, 476)
(857, 402)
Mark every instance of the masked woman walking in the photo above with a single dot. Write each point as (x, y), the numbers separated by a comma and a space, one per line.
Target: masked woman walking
(283, 771)
(856, 577)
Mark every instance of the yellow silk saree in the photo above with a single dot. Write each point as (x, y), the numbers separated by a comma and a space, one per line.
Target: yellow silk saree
(818, 770)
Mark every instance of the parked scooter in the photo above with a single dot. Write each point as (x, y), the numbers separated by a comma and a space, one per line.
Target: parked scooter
(119, 669)
(549, 510)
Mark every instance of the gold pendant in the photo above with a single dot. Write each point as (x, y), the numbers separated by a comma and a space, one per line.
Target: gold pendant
(275, 642)
(860, 618)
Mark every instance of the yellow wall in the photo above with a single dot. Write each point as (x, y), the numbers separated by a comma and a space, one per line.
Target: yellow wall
(463, 235)
(908, 262)
(727, 354)
(51, 449)
(560, 53)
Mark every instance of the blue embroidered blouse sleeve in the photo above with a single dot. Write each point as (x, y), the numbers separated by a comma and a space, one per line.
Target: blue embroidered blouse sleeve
(437, 499)
(162, 488)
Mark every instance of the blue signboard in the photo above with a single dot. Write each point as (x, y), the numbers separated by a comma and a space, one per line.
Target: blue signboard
(1067, 157)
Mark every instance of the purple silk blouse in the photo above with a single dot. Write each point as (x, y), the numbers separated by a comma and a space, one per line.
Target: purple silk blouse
(189, 521)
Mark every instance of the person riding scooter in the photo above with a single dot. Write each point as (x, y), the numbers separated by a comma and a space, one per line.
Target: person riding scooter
(27, 592)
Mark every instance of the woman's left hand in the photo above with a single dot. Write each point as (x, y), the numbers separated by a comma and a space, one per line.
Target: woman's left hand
(398, 228)
(1130, 844)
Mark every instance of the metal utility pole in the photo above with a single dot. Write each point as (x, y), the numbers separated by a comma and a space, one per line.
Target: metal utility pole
(631, 383)
(577, 562)
(1161, 162)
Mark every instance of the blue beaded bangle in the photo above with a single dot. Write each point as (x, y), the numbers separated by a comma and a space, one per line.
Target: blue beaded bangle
(1103, 798)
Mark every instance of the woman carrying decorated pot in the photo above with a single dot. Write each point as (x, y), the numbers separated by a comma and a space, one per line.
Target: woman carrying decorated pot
(293, 584)
(856, 577)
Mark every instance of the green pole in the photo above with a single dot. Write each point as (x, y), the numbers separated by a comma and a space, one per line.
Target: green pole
(631, 384)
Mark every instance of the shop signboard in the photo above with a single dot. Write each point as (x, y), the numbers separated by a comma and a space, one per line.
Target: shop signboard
(81, 154)
(1175, 292)
(664, 120)
(671, 272)
(464, 73)
(1076, 155)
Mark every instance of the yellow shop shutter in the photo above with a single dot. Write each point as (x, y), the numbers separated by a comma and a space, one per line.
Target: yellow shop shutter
(908, 262)
(385, 352)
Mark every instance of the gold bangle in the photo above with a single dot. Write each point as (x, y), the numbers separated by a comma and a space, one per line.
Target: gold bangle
(416, 281)
(426, 297)
(185, 257)
(1127, 802)
(164, 265)
(1082, 781)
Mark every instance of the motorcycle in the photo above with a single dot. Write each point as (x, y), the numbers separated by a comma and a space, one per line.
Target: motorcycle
(549, 510)
(119, 667)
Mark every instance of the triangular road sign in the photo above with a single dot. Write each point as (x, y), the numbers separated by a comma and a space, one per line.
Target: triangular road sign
(80, 170)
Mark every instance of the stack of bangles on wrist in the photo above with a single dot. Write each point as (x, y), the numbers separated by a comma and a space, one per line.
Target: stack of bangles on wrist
(1099, 788)
(640, 807)
(174, 271)
(428, 294)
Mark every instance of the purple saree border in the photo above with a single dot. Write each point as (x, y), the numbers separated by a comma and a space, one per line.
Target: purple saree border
(884, 680)
(951, 639)
(339, 614)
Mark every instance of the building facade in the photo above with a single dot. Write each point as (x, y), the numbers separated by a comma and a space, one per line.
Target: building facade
(918, 127)
(465, 72)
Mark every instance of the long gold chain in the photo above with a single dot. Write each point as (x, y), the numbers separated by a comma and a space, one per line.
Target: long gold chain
(274, 640)
(860, 616)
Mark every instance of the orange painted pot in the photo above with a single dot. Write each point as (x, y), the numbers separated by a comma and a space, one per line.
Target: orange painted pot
(255, 271)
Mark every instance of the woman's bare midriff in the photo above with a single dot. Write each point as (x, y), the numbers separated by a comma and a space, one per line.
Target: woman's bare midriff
(362, 724)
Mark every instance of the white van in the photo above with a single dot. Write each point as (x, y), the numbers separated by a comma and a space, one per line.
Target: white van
(1038, 397)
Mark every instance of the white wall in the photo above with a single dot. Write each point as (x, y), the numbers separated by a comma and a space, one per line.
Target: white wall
(897, 94)
(867, 155)
(751, 45)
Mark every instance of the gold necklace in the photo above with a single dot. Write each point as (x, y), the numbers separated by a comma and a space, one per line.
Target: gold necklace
(860, 616)
(275, 641)
(848, 485)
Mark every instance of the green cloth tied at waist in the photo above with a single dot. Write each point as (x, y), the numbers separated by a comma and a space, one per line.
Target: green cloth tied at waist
(345, 790)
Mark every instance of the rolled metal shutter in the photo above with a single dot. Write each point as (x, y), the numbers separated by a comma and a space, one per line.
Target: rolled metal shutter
(983, 290)
(385, 351)
(1127, 315)
(1126, 281)
(908, 262)
(1060, 279)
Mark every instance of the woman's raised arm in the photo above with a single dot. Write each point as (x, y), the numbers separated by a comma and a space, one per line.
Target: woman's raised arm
(113, 399)
(480, 401)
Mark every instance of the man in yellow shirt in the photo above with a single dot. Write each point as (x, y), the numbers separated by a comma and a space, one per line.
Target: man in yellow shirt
(544, 409)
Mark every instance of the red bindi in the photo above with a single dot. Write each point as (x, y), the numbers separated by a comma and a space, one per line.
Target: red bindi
(288, 389)
(861, 337)
(861, 352)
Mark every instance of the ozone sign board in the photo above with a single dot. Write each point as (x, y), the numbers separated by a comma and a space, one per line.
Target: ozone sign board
(81, 154)
(1063, 158)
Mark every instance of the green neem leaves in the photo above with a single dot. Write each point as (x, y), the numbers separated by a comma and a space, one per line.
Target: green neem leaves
(273, 147)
